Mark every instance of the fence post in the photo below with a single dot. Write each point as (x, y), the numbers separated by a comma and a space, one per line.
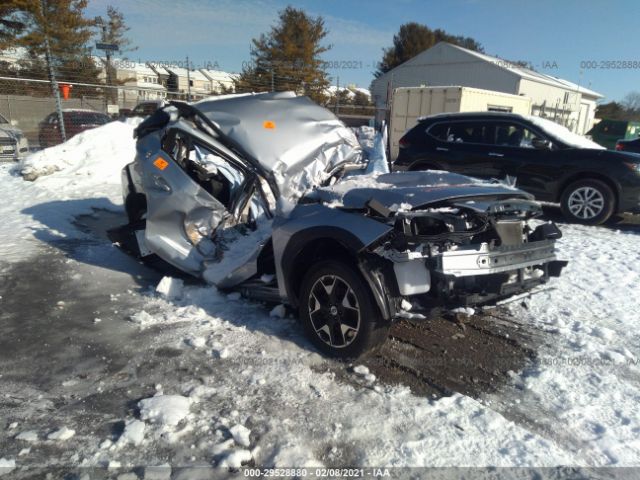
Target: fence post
(9, 108)
(52, 77)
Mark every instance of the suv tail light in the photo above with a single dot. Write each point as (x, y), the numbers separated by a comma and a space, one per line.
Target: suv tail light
(404, 143)
(619, 146)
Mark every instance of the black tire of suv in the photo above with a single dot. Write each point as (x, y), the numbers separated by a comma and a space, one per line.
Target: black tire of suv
(373, 329)
(602, 188)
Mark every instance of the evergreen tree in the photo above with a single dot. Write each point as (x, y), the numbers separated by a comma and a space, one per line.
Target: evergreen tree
(414, 38)
(114, 30)
(288, 57)
(63, 23)
(12, 21)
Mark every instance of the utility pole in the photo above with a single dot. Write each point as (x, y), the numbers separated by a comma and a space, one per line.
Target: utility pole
(337, 94)
(52, 76)
(273, 89)
(188, 81)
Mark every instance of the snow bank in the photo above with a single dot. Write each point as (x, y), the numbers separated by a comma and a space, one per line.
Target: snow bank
(86, 164)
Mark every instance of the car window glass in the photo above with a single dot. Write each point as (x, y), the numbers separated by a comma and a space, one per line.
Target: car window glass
(507, 134)
(474, 132)
(439, 131)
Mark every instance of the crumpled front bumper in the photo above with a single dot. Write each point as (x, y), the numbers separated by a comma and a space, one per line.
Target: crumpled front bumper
(474, 274)
(485, 260)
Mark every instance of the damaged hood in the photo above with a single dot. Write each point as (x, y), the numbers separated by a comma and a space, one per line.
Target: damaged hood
(291, 137)
(408, 190)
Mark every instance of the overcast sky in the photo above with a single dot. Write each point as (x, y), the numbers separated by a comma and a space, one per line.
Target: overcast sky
(556, 37)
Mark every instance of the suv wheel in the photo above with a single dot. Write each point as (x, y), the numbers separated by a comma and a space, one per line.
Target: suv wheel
(338, 311)
(590, 202)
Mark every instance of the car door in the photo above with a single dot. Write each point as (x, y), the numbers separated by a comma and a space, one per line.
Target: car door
(466, 147)
(527, 158)
(193, 194)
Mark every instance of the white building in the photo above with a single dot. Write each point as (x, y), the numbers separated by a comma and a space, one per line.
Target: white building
(220, 81)
(139, 81)
(446, 65)
(181, 82)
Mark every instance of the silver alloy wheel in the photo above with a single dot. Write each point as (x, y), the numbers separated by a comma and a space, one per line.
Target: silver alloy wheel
(334, 311)
(586, 202)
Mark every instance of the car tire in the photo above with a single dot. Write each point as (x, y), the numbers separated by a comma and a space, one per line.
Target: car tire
(590, 202)
(338, 311)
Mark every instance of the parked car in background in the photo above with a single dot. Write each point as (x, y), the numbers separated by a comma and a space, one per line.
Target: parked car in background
(269, 195)
(537, 155)
(144, 109)
(13, 144)
(632, 146)
(608, 132)
(75, 121)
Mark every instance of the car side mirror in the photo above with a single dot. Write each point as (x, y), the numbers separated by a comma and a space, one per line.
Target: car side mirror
(541, 144)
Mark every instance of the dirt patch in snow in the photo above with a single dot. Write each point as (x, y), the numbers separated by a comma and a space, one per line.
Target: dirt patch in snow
(449, 353)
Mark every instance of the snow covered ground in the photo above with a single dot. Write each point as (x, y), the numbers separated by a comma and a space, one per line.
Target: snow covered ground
(99, 368)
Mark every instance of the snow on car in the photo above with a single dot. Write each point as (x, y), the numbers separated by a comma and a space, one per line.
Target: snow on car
(233, 189)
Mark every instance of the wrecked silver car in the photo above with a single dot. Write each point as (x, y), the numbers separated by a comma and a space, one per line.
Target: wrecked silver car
(271, 195)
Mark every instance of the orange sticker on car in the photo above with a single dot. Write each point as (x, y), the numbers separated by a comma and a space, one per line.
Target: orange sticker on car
(160, 163)
(269, 125)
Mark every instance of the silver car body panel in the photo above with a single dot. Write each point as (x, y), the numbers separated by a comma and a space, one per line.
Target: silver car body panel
(292, 138)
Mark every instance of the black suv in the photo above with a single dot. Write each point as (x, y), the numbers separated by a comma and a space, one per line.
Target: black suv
(538, 155)
(632, 146)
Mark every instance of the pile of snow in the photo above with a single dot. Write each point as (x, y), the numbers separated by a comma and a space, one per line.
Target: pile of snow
(7, 466)
(133, 433)
(170, 288)
(165, 410)
(28, 436)
(61, 434)
(90, 159)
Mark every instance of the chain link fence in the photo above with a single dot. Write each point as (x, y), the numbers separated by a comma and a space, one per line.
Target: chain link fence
(30, 118)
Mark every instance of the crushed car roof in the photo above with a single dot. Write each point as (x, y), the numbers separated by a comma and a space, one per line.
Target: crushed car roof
(289, 136)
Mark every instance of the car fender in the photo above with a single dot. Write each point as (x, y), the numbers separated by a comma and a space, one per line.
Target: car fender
(312, 222)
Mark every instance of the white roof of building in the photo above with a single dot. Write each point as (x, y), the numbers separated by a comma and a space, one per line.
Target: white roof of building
(182, 72)
(219, 75)
(505, 65)
(333, 90)
(362, 90)
(529, 74)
